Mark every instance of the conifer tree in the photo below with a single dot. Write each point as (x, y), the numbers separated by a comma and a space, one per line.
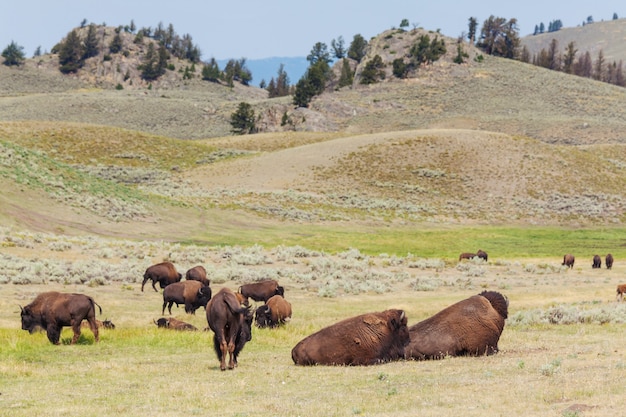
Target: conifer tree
(91, 42)
(242, 120)
(357, 48)
(71, 53)
(13, 54)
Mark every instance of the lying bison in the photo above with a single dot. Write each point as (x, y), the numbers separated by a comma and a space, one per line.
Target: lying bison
(231, 324)
(363, 340)
(164, 273)
(470, 327)
(53, 310)
(608, 261)
(197, 273)
(275, 312)
(174, 324)
(261, 291)
(193, 294)
(107, 324)
(597, 262)
(568, 260)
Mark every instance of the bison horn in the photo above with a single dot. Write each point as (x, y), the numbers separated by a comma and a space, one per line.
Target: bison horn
(402, 315)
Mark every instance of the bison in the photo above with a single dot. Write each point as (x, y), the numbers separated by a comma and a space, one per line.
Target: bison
(261, 291)
(608, 261)
(174, 324)
(466, 255)
(107, 324)
(482, 254)
(231, 324)
(470, 327)
(164, 273)
(53, 310)
(197, 273)
(597, 262)
(275, 312)
(621, 290)
(568, 260)
(362, 340)
(190, 293)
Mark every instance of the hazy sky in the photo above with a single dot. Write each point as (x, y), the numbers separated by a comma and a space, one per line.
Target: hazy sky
(278, 28)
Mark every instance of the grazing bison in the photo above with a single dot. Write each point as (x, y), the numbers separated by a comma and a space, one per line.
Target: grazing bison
(621, 290)
(190, 293)
(261, 291)
(275, 312)
(197, 273)
(470, 327)
(608, 261)
(362, 340)
(568, 260)
(174, 324)
(482, 254)
(466, 255)
(597, 262)
(164, 273)
(53, 310)
(231, 324)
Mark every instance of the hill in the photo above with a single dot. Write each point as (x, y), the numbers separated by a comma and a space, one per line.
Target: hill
(487, 142)
(607, 36)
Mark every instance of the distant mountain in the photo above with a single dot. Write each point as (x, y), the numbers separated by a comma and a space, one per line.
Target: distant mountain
(267, 68)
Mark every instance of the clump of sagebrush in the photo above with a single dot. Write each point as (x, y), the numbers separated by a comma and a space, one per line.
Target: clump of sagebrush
(425, 284)
(592, 313)
(437, 264)
(291, 254)
(253, 255)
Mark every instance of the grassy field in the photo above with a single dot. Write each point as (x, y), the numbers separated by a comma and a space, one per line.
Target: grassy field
(561, 350)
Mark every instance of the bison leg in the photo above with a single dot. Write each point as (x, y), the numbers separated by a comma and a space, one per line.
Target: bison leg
(54, 334)
(76, 330)
(145, 279)
(93, 325)
(231, 355)
(224, 350)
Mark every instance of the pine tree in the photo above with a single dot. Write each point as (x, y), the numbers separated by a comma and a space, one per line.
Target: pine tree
(373, 71)
(473, 24)
(71, 53)
(347, 75)
(211, 71)
(116, 43)
(91, 42)
(569, 58)
(13, 54)
(338, 46)
(357, 48)
(598, 70)
(242, 120)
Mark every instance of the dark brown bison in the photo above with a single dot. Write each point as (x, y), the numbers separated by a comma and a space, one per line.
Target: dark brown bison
(466, 255)
(193, 294)
(164, 273)
(621, 290)
(597, 262)
(261, 291)
(53, 310)
(482, 254)
(568, 260)
(107, 324)
(231, 324)
(197, 273)
(363, 340)
(470, 327)
(174, 324)
(275, 312)
(608, 261)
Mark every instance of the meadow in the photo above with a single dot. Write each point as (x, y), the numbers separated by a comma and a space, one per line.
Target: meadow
(561, 352)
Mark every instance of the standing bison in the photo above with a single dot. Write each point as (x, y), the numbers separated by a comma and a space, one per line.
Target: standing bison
(261, 291)
(470, 327)
(608, 261)
(54, 310)
(193, 294)
(482, 255)
(597, 262)
(362, 340)
(231, 324)
(275, 312)
(621, 290)
(568, 261)
(466, 255)
(197, 273)
(164, 273)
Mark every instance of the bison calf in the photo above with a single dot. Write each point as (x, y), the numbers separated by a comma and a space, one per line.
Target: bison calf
(275, 312)
(174, 324)
(470, 327)
(621, 290)
(362, 340)
(54, 310)
(568, 261)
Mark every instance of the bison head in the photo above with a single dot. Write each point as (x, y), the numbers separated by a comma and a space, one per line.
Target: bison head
(28, 320)
(263, 316)
(162, 322)
(204, 295)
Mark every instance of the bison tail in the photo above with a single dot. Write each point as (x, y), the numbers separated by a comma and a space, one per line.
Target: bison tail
(498, 301)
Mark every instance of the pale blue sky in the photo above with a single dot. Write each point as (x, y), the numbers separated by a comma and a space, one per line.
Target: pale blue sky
(255, 29)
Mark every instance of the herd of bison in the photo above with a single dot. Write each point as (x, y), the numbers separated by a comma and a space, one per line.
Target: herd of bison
(469, 327)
